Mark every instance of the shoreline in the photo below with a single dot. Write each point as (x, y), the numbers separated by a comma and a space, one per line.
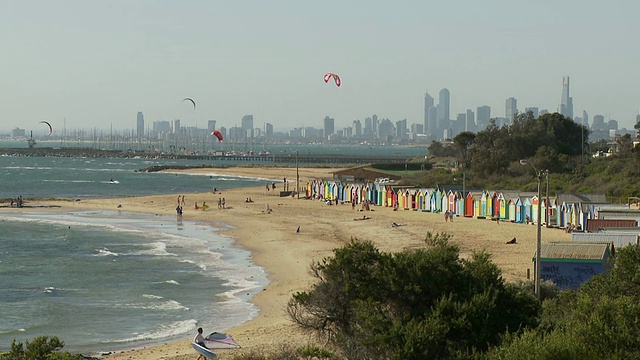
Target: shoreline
(286, 255)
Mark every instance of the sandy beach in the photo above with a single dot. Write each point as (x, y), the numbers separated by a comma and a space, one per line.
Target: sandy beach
(286, 255)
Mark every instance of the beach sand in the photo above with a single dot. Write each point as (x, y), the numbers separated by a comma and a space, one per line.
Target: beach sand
(286, 255)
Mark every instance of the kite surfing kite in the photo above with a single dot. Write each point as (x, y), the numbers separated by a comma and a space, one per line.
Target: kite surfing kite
(218, 340)
(192, 102)
(50, 127)
(335, 77)
(217, 134)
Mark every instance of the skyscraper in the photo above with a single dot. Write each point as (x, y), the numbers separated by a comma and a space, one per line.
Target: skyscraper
(211, 125)
(511, 108)
(428, 103)
(566, 104)
(534, 111)
(471, 121)
(247, 126)
(140, 125)
(444, 107)
(328, 127)
(484, 115)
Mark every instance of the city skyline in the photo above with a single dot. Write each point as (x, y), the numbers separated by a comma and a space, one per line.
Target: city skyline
(96, 65)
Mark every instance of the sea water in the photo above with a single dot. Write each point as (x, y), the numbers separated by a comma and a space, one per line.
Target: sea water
(103, 281)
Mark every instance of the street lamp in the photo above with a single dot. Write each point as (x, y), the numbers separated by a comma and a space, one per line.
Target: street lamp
(539, 226)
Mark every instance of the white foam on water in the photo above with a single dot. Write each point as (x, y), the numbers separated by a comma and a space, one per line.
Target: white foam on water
(162, 331)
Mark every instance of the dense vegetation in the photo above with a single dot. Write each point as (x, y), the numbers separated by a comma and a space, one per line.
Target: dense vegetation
(40, 348)
(490, 159)
(431, 304)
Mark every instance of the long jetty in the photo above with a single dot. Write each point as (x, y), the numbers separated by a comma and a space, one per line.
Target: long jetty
(272, 158)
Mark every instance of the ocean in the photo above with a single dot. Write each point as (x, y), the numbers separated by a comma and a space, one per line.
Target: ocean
(106, 281)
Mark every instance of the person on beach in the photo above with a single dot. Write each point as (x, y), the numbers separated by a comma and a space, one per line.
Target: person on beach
(183, 201)
(199, 339)
(196, 206)
(219, 203)
(223, 203)
(178, 200)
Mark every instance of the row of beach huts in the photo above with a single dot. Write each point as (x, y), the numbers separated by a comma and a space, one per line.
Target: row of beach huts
(599, 227)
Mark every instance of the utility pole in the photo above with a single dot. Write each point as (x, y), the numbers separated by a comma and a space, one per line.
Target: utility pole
(297, 177)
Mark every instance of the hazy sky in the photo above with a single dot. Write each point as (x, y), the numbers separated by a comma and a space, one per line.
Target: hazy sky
(97, 63)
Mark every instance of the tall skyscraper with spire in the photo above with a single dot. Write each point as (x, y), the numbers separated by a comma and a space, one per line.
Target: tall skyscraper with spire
(566, 104)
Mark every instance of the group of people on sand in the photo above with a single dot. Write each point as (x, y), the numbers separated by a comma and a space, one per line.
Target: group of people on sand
(448, 216)
(248, 200)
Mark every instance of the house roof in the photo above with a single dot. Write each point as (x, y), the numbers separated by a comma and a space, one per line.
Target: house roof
(575, 250)
(582, 198)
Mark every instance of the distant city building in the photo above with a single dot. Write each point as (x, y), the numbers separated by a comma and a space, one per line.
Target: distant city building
(368, 128)
(585, 119)
(236, 134)
(598, 123)
(543, 112)
(470, 125)
(17, 132)
(176, 126)
(534, 111)
(417, 129)
(484, 115)
(268, 129)
(211, 125)
(140, 125)
(433, 120)
(328, 126)
(613, 125)
(428, 121)
(348, 132)
(374, 119)
(459, 124)
(357, 128)
(511, 109)
(443, 109)
(160, 127)
(386, 129)
(401, 129)
(566, 104)
(247, 126)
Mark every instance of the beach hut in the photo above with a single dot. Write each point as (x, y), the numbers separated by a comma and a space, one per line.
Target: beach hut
(451, 202)
(437, 200)
(514, 210)
(469, 205)
(414, 199)
(502, 207)
(483, 203)
(444, 202)
(333, 191)
(569, 264)
(526, 209)
(519, 211)
(390, 197)
(383, 195)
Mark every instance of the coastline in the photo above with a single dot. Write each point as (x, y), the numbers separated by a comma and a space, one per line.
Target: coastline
(286, 256)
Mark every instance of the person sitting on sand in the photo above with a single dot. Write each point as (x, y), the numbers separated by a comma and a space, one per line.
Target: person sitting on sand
(196, 207)
(395, 224)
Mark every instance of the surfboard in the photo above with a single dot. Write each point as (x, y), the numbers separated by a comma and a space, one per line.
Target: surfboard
(204, 351)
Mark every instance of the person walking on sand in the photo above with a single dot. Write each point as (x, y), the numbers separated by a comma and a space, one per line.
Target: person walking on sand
(298, 230)
(183, 201)
(223, 203)
(199, 339)
(219, 203)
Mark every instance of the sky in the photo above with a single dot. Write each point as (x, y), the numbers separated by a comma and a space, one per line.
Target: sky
(94, 64)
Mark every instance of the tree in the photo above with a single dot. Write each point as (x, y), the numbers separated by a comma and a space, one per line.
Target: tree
(41, 347)
(425, 303)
